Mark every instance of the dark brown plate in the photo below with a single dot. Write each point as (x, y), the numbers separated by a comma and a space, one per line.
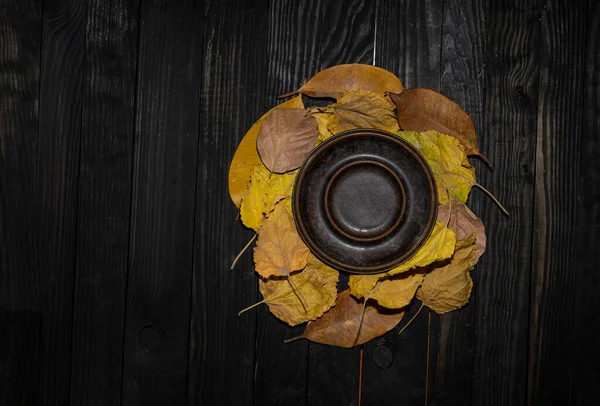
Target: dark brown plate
(364, 201)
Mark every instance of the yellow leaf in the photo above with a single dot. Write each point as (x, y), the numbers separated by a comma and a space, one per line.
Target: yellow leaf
(393, 292)
(279, 250)
(453, 173)
(362, 109)
(448, 287)
(316, 285)
(439, 246)
(246, 155)
(263, 193)
(322, 116)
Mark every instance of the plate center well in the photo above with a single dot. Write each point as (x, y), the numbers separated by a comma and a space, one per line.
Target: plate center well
(364, 200)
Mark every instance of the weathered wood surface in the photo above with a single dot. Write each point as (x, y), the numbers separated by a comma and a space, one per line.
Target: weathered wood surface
(118, 120)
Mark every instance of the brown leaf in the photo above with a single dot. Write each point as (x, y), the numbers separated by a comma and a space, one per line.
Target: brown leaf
(425, 109)
(337, 80)
(448, 287)
(339, 325)
(246, 155)
(464, 224)
(279, 250)
(285, 138)
(362, 109)
(316, 284)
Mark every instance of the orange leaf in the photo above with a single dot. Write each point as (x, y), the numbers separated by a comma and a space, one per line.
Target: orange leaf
(337, 80)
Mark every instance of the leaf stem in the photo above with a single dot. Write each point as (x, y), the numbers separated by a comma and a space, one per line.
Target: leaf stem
(252, 306)
(360, 321)
(412, 319)
(487, 192)
(297, 293)
(235, 261)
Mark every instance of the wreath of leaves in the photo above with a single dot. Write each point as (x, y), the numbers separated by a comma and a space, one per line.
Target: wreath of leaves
(296, 286)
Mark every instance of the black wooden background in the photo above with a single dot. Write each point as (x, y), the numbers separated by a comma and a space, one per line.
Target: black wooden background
(118, 120)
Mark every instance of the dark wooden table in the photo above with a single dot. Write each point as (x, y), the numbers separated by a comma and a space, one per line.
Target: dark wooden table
(118, 120)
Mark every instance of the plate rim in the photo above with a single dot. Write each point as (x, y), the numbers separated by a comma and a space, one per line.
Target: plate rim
(364, 270)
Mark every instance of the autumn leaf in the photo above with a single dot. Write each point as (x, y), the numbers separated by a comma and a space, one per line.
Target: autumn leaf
(453, 173)
(464, 224)
(322, 115)
(425, 109)
(246, 155)
(439, 246)
(316, 284)
(448, 287)
(285, 138)
(264, 191)
(279, 250)
(337, 80)
(393, 292)
(362, 109)
(339, 325)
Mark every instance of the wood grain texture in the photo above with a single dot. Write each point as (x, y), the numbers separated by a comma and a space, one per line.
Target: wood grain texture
(555, 212)
(20, 312)
(408, 41)
(462, 79)
(509, 128)
(163, 204)
(104, 202)
(347, 35)
(280, 369)
(57, 179)
(233, 95)
(584, 369)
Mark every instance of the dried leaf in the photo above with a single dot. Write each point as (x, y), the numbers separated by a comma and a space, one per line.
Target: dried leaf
(339, 325)
(285, 138)
(279, 250)
(316, 284)
(464, 224)
(425, 109)
(337, 80)
(362, 109)
(246, 155)
(322, 115)
(393, 292)
(448, 287)
(454, 175)
(439, 246)
(263, 193)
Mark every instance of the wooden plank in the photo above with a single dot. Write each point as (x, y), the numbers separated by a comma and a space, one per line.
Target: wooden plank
(509, 128)
(20, 311)
(559, 130)
(104, 202)
(222, 345)
(462, 80)
(280, 369)
(163, 203)
(347, 35)
(408, 43)
(57, 178)
(584, 378)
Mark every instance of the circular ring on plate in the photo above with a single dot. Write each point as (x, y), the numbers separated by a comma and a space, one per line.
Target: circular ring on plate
(365, 201)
